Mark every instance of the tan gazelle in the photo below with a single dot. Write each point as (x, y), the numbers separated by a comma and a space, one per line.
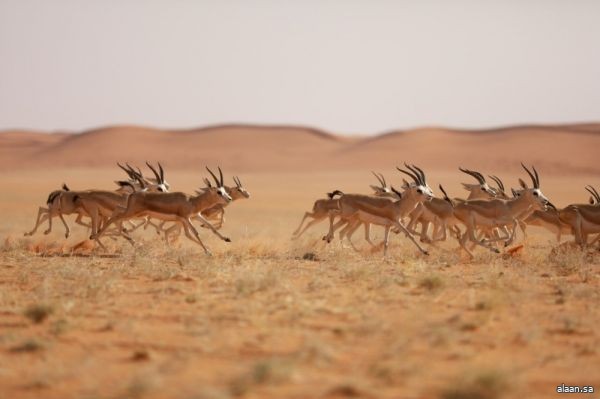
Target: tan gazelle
(172, 206)
(498, 213)
(383, 211)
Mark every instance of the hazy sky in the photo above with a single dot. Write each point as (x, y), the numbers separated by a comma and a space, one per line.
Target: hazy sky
(346, 66)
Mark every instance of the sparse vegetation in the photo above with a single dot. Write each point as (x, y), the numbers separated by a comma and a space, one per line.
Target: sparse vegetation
(38, 313)
(431, 282)
(482, 385)
(257, 320)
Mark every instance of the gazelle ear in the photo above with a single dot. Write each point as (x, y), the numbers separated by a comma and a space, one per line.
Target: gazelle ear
(514, 192)
(591, 200)
(523, 184)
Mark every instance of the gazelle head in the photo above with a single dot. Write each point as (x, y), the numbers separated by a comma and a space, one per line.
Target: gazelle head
(219, 188)
(595, 198)
(534, 194)
(238, 191)
(382, 190)
(420, 189)
(159, 182)
(481, 190)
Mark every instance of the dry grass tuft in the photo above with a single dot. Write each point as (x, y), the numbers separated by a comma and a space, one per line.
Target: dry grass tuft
(140, 355)
(485, 385)
(38, 313)
(30, 345)
(265, 372)
(431, 282)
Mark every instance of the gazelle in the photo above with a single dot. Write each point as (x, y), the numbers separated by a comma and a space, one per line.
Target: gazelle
(329, 208)
(59, 203)
(172, 206)
(218, 211)
(62, 202)
(384, 211)
(215, 212)
(497, 213)
(440, 212)
(100, 204)
(583, 219)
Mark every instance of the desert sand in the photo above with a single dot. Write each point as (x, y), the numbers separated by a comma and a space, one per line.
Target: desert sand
(561, 149)
(269, 317)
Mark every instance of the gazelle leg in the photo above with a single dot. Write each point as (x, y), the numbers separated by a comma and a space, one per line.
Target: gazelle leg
(410, 236)
(39, 220)
(463, 242)
(49, 229)
(424, 229)
(386, 239)
(441, 226)
(353, 230)
(189, 227)
(80, 222)
(67, 231)
(210, 226)
(306, 215)
(308, 225)
(471, 233)
(333, 227)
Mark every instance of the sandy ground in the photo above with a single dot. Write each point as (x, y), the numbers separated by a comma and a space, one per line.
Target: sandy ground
(257, 320)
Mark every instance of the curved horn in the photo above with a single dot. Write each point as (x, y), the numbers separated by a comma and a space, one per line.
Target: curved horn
(593, 191)
(446, 198)
(398, 193)
(382, 182)
(124, 169)
(132, 172)
(530, 175)
(498, 182)
(213, 175)
(237, 181)
(417, 174)
(422, 174)
(537, 177)
(221, 175)
(162, 173)
(383, 179)
(141, 181)
(478, 176)
(409, 174)
(158, 179)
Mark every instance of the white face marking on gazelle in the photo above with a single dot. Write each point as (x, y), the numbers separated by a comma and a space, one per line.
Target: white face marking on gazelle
(425, 190)
(223, 193)
(488, 189)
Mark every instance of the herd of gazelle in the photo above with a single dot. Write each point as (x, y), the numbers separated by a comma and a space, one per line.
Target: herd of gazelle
(487, 217)
(146, 200)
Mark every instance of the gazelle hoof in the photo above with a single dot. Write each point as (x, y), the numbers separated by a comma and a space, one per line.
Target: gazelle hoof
(426, 253)
(47, 232)
(496, 250)
(227, 239)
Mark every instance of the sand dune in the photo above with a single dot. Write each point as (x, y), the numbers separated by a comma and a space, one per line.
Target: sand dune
(558, 149)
